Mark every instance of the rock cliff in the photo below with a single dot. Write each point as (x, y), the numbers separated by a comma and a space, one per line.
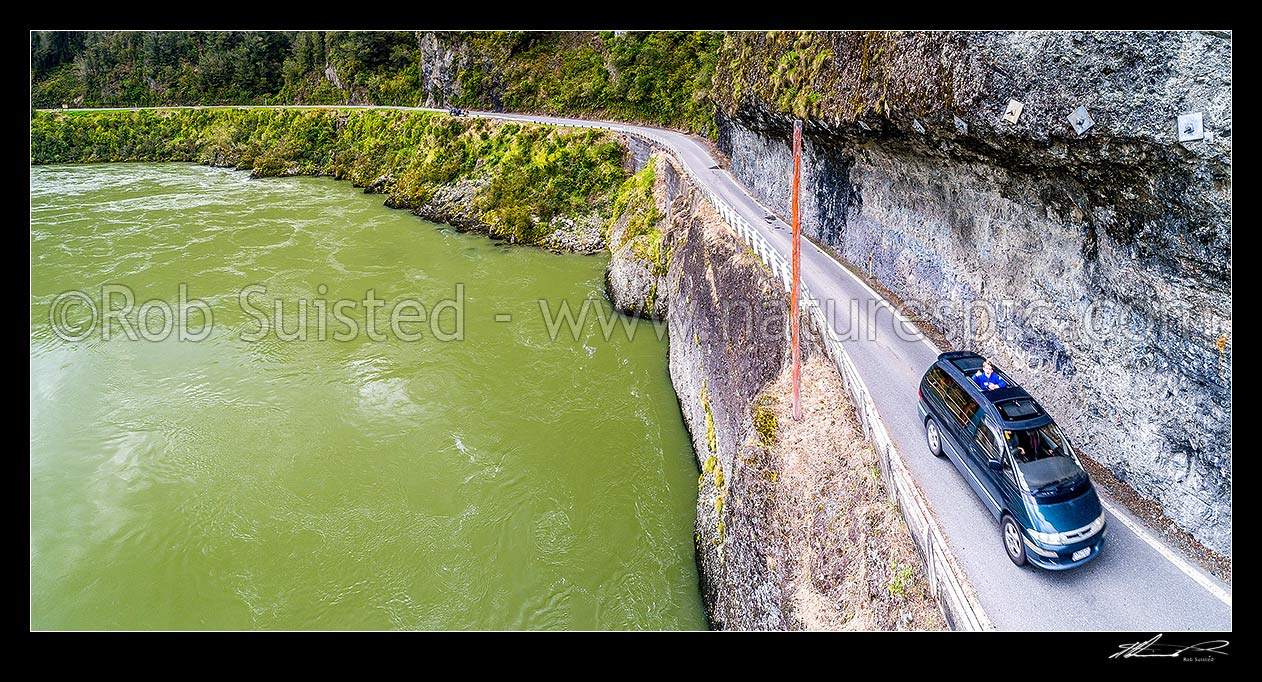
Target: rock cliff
(1096, 267)
(794, 530)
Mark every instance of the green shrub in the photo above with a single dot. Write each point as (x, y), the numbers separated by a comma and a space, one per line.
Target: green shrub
(766, 422)
(711, 436)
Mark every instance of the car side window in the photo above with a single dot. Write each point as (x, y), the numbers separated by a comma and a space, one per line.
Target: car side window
(985, 439)
(970, 408)
(937, 381)
(959, 403)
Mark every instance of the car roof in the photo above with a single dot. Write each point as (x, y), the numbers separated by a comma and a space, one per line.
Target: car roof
(1012, 406)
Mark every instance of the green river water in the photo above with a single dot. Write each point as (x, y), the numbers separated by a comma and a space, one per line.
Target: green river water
(501, 481)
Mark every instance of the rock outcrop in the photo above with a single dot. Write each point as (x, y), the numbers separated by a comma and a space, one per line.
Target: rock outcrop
(441, 62)
(639, 253)
(1096, 267)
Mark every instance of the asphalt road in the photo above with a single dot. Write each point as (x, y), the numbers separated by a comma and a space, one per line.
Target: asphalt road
(1137, 584)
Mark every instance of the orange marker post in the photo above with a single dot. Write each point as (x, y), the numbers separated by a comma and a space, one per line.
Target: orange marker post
(794, 322)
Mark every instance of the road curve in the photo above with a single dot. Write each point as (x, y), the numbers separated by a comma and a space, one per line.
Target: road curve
(1137, 584)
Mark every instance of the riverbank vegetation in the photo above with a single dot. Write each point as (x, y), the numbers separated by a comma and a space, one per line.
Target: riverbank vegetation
(509, 179)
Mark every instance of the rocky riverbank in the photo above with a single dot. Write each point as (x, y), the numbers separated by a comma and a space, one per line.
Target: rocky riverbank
(527, 184)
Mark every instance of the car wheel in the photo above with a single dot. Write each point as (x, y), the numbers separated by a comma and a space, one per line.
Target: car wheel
(1012, 542)
(934, 437)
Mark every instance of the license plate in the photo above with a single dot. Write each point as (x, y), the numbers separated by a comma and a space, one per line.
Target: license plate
(1081, 554)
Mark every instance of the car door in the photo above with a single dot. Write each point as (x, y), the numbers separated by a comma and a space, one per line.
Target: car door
(1010, 493)
(983, 447)
(939, 394)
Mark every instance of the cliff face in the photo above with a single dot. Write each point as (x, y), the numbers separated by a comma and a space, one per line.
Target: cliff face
(441, 63)
(1095, 267)
(793, 527)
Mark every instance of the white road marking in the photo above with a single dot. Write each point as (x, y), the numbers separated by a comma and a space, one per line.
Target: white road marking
(1178, 561)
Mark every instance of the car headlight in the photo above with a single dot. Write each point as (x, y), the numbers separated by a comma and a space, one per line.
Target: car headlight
(1062, 539)
(1048, 538)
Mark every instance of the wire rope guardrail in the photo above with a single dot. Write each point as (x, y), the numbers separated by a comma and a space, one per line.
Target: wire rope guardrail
(946, 580)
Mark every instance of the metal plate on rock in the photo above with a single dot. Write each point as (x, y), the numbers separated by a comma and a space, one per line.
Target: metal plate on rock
(1191, 127)
(1081, 120)
(1013, 112)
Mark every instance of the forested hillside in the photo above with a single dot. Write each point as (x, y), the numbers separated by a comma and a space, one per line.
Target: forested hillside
(656, 77)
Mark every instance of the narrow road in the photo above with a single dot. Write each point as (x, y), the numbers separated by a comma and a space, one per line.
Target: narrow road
(1136, 584)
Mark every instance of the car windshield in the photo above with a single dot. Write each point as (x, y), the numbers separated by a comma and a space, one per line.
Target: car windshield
(1043, 456)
